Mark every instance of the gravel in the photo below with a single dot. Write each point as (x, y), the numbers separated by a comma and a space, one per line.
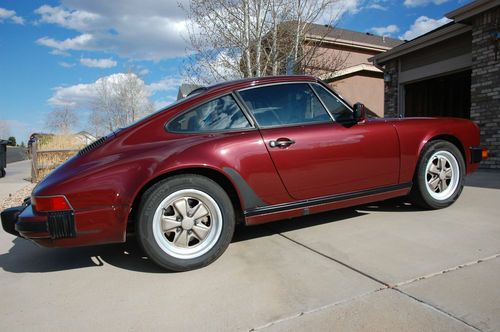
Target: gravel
(17, 198)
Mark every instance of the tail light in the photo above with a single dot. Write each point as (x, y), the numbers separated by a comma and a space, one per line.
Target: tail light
(50, 204)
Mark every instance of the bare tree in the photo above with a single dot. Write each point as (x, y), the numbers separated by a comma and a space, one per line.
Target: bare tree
(245, 38)
(62, 120)
(4, 129)
(120, 100)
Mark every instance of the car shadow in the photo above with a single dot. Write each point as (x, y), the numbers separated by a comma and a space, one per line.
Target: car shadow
(26, 257)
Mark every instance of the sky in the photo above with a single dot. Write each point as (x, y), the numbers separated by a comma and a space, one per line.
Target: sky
(52, 52)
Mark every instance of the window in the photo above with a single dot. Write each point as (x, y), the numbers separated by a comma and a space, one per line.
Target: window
(216, 115)
(339, 111)
(284, 104)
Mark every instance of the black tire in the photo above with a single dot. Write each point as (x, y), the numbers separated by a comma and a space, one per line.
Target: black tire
(2, 172)
(182, 191)
(422, 193)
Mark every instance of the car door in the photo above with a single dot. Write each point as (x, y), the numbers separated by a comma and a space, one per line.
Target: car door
(314, 155)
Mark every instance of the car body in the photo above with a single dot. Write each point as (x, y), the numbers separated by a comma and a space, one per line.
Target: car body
(270, 164)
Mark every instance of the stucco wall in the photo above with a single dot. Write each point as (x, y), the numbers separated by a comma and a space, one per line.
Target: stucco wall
(368, 89)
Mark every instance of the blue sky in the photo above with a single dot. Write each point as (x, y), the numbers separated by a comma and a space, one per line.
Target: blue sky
(51, 52)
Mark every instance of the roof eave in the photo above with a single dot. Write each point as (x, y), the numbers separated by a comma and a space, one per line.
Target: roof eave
(472, 9)
(421, 42)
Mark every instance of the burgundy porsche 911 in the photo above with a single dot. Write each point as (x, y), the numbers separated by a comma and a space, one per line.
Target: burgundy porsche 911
(250, 151)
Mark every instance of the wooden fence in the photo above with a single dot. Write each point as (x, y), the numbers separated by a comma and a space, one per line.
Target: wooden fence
(45, 161)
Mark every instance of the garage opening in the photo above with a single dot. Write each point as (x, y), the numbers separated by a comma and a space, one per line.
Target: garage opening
(442, 96)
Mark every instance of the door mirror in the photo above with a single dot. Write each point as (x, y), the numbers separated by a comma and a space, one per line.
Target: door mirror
(359, 112)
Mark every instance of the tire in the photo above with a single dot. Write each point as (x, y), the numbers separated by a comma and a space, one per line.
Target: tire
(185, 222)
(439, 176)
(2, 172)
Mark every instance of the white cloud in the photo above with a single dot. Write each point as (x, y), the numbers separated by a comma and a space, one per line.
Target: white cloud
(422, 3)
(165, 84)
(385, 31)
(81, 42)
(81, 96)
(66, 64)
(145, 30)
(6, 14)
(422, 25)
(98, 63)
(376, 6)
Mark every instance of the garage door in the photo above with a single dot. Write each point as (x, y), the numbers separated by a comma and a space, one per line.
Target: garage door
(442, 96)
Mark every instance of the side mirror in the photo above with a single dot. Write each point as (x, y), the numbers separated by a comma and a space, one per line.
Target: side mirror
(359, 112)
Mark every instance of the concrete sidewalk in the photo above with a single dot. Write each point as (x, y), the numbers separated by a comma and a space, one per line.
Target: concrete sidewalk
(379, 267)
(17, 176)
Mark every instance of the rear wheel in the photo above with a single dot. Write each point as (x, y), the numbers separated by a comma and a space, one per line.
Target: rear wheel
(185, 222)
(439, 178)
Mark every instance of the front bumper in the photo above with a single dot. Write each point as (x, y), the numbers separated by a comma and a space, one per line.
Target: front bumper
(478, 154)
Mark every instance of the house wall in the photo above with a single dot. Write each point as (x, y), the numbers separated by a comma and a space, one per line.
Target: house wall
(341, 56)
(475, 51)
(367, 89)
(485, 83)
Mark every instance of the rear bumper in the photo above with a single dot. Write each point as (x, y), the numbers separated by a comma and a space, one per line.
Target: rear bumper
(21, 221)
(67, 228)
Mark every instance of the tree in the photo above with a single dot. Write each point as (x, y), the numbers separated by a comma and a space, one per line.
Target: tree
(62, 120)
(11, 141)
(245, 38)
(120, 100)
(4, 129)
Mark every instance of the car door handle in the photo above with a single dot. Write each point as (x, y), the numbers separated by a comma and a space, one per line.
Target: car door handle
(281, 143)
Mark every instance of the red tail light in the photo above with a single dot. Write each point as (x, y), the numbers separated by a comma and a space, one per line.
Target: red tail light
(50, 203)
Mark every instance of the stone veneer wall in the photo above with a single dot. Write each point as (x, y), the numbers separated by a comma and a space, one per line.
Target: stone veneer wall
(485, 83)
(391, 90)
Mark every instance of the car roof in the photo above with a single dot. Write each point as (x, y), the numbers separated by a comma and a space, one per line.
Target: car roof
(255, 81)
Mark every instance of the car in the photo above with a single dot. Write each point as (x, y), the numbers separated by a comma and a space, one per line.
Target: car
(249, 151)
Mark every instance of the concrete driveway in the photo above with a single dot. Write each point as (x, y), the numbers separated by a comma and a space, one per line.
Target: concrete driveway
(374, 268)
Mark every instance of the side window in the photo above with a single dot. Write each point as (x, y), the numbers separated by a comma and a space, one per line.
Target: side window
(284, 104)
(339, 111)
(216, 115)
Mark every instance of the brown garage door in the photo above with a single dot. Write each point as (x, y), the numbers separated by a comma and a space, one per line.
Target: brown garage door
(442, 96)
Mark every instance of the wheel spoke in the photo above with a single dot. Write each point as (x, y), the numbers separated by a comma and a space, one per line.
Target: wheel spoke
(434, 182)
(433, 169)
(169, 222)
(443, 185)
(448, 173)
(181, 207)
(181, 239)
(443, 161)
(200, 231)
(200, 212)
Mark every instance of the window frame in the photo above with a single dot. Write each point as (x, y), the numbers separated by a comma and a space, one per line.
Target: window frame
(206, 101)
(308, 83)
(324, 86)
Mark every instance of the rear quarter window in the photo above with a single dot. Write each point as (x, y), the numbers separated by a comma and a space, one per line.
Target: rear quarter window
(221, 114)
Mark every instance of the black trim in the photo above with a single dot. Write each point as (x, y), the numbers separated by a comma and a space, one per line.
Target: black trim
(323, 200)
(61, 224)
(476, 154)
(31, 227)
(9, 217)
(250, 198)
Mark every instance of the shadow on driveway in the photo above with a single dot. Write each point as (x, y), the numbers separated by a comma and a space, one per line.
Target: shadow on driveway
(26, 257)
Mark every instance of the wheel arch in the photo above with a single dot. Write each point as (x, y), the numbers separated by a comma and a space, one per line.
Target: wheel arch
(220, 178)
(449, 138)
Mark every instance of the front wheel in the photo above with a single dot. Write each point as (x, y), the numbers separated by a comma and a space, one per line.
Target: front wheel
(185, 222)
(439, 177)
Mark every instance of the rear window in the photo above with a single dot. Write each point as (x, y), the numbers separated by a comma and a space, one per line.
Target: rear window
(220, 114)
